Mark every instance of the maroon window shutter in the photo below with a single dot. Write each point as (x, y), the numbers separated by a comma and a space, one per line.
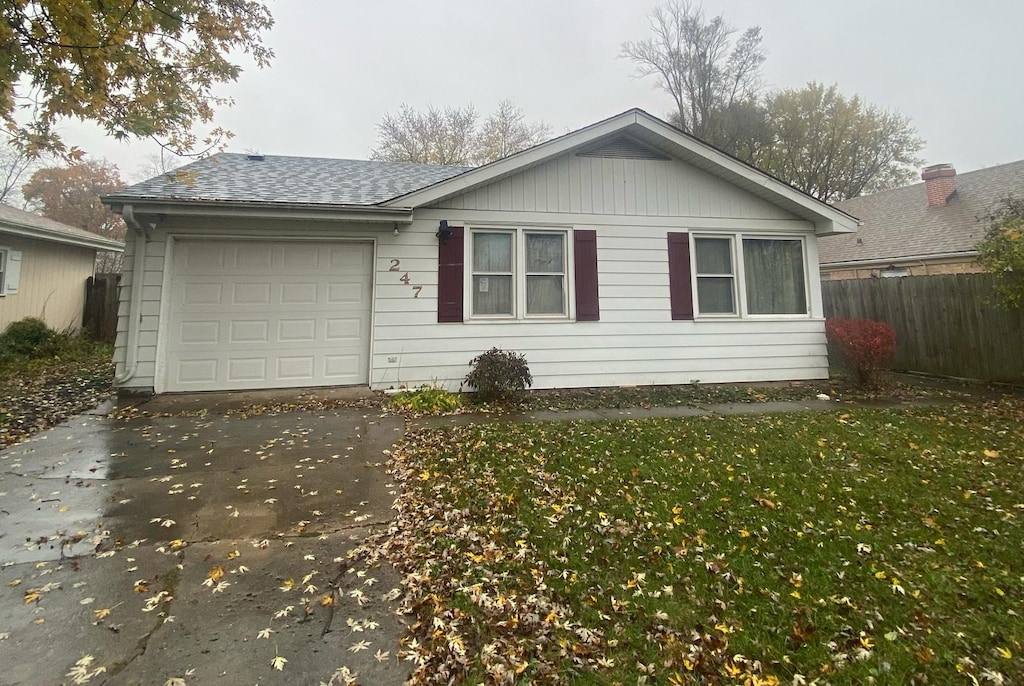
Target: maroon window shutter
(585, 254)
(450, 285)
(680, 287)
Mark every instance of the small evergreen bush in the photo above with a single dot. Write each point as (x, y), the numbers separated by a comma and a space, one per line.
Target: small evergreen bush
(427, 400)
(866, 345)
(29, 337)
(498, 374)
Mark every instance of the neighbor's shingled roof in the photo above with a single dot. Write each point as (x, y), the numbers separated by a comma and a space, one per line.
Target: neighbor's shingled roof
(899, 223)
(40, 227)
(293, 180)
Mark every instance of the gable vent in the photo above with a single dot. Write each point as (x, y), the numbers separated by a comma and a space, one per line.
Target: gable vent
(623, 148)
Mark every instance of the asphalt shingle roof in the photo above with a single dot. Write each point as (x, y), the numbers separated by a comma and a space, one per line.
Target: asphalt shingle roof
(899, 222)
(299, 180)
(12, 216)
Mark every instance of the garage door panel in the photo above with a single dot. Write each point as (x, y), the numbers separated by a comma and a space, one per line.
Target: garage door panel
(296, 367)
(199, 258)
(298, 293)
(302, 321)
(252, 331)
(204, 294)
(340, 366)
(303, 256)
(197, 372)
(252, 256)
(200, 332)
(247, 369)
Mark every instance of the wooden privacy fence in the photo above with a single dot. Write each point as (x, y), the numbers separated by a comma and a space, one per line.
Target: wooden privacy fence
(948, 324)
(100, 317)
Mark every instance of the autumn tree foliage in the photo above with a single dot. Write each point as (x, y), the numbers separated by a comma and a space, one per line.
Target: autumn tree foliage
(71, 195)
(454, 135)
(835, 147)
(139, 69)
(866, 345)
(1001, 251)
(825, 143)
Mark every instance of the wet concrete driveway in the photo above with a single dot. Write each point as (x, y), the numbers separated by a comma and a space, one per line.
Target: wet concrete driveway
(199, 548)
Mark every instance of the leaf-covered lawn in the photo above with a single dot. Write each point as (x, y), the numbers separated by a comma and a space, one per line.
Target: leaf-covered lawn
(804, 548)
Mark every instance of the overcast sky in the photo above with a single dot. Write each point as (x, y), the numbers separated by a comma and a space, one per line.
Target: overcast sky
(953, 67)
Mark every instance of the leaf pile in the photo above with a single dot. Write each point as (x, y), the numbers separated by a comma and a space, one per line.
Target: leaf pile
(37, 397)
(853, 546)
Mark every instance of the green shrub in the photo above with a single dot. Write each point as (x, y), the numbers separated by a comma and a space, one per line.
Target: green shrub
(498, 374)
(26, 338)
(427, 400)
(30, 344)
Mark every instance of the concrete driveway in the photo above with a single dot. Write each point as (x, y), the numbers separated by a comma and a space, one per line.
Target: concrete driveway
(198, 548)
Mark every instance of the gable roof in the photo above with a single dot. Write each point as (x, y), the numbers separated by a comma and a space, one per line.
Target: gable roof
(30, 225)
(390, 189)
(899, 224)
(288, 180)
(654, 133)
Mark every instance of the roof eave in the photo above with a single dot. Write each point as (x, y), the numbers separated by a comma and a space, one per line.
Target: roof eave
(40, 233)
(827, 219)
(257, 209)
(868, 262)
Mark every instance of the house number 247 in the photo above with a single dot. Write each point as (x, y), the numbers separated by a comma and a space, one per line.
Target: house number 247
(396, 266)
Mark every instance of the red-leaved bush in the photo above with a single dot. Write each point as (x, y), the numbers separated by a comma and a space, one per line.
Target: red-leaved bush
(866, 345)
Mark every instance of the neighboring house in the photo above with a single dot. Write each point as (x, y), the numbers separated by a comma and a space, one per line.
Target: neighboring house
(928, 228)
(43, 268)
(626, 252)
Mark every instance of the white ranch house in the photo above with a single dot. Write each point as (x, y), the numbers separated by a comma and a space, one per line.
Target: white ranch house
(626, 252)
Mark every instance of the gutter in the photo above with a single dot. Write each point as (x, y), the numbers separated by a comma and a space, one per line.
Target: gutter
(39, 233)
(896, 260)
(131, 361)
(270, 210)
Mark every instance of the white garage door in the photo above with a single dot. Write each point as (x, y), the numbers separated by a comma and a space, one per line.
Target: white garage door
(258, 314)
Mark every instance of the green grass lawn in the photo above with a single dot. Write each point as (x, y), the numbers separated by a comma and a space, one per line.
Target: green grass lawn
(832, 548)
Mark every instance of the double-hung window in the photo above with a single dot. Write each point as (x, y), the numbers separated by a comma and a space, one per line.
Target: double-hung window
(3, 271)
(518, 274)
(716, 276)
(764, 276)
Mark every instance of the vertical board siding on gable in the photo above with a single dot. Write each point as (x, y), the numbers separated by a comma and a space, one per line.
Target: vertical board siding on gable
(614, 186)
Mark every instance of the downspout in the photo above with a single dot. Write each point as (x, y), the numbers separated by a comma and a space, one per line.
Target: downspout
(131, 361)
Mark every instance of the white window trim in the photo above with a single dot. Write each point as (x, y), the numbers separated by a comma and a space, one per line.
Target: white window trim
(735, 276)
(740, 277)
(519, 232)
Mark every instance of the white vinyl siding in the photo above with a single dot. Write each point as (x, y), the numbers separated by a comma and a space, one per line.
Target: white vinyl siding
(635, 341)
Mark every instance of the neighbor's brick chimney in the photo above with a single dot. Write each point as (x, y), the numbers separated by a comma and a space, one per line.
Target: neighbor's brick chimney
(939, 183)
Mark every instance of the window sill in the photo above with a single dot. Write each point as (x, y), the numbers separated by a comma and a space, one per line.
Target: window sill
(516, 320)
